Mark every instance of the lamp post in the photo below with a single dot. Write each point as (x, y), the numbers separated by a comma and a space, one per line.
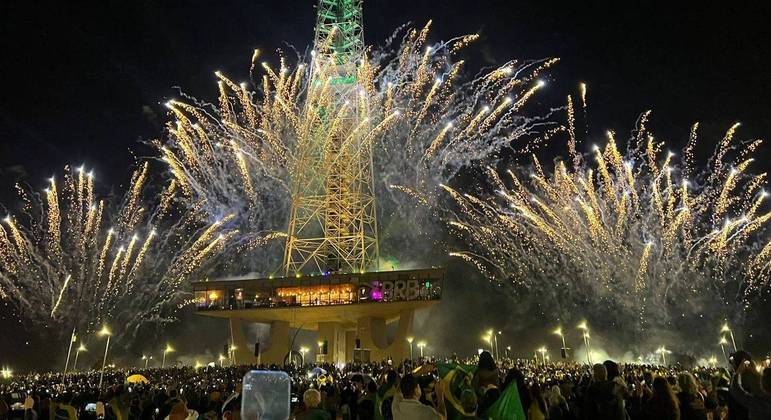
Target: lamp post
(558, 331)
(104, 331)
(727, 329)
(146, 359)
(73, 338)
(508, 350)
(410, 340)
(421, 346)
(167, 350)
(495, 342)
(222, 360)
(713, 361)
(233, 355)
(77, 353)
(723, 343)
(303, 350)
(488, 338)
(585, 328)
(543, 351)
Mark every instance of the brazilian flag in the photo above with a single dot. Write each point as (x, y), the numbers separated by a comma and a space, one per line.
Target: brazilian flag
(456, 378)
(508, 406)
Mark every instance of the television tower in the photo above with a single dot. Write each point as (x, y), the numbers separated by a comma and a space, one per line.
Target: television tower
(333, 220)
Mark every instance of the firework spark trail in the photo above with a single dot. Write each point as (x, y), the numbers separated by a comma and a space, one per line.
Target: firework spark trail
(626, 232)
(75, 270)
(424, 121)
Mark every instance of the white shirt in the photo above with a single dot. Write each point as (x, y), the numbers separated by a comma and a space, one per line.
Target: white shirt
(404, 409)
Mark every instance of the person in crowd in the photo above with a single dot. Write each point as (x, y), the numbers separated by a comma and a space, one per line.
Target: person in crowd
(737, 411)
(689, 398)
(385, 395)
(486, 374)
(407, 406)
(366, 403)
(663, 405)
(231, 410)
(602, 400)
(537, 409)
(757, 406)
(179, 411)
(331, 399)
(312, 400)
(558, 405)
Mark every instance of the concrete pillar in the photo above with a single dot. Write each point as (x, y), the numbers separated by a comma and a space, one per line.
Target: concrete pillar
(350, 343)
(372, 333)
(272, 352)
(334, 334)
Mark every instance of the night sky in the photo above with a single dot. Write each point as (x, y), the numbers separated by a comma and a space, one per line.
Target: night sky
(84, 81)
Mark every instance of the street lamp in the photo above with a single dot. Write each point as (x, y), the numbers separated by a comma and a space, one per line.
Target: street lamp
(495, 340)
(410, 340)
(222, 360)
(146, 359)
(303, 350)
(488, 338)
(77, 353)
(543, 351)
(73, 339)
(421, 346)
(104, 331)
(723, 343)
(508, 350)
(726, 329)
(558, 331)
(713, 361)
(167, 350)
(585, 328)
(233, 355)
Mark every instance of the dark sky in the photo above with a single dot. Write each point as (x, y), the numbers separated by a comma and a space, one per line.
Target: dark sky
(82, 81)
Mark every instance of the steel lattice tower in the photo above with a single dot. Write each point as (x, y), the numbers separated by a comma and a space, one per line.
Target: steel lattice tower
(333, 223)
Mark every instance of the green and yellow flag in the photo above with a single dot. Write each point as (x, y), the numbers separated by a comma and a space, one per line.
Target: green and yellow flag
(456, 378)
(508, 406)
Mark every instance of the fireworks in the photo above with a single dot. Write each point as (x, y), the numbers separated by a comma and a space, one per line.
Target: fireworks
(642, 236)
(413, 108)
(73, 259)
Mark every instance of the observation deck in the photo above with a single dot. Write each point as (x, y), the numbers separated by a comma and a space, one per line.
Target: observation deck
(349, 310)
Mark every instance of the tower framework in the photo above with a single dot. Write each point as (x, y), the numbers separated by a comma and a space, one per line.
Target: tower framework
(333, 219)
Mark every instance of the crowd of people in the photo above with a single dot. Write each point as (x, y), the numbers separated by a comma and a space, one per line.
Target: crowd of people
(408, 390)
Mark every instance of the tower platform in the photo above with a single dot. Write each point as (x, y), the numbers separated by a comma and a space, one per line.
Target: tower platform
(349, 311)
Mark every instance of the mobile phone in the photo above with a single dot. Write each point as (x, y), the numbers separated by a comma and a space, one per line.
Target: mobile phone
(91, 407)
